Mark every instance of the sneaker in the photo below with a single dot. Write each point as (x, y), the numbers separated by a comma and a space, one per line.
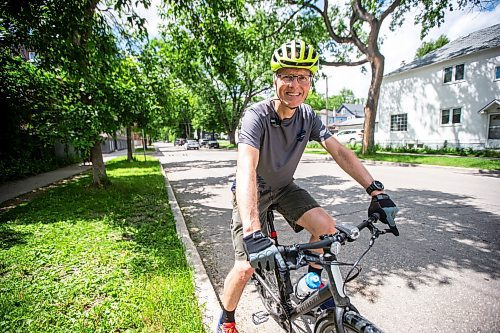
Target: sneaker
(227, 328)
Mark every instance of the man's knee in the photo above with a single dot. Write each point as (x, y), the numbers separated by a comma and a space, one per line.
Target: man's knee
(318, 222)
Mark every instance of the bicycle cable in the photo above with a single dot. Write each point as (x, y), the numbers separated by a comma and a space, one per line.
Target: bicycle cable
(375, 234)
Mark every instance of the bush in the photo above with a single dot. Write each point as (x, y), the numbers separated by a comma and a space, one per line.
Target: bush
(23, 167)
(442, 151)
(313, 144)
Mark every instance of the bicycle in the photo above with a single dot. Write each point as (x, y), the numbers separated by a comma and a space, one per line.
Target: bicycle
(276, 291)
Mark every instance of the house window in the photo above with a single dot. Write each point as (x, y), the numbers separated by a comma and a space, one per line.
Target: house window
(454, 73)
(448, 74)
(451, 116)
(497, 73)
(399, 122)
(459, 72)
(494, 128)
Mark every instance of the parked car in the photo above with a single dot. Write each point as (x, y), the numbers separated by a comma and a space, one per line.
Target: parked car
(212, 143)
(192, 144)
(204, 143)
(351, 136)
(179, 142)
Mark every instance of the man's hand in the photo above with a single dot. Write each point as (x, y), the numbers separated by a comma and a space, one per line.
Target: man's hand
(386, 208)
(261, 252)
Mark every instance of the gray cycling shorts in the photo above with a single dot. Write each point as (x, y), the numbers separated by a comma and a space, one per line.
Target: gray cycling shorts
(290, 201)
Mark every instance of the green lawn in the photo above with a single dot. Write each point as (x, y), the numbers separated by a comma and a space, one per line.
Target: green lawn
(452, 161)
(79, 259)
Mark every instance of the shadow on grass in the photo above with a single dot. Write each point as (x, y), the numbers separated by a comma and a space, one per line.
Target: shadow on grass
(136, 204)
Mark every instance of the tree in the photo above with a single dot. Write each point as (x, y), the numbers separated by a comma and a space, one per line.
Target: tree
(428, 47)
(77, 44)
(349, 35)
(318, 101)
(221, 51)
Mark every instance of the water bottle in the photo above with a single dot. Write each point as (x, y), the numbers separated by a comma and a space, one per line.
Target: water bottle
(307, 284)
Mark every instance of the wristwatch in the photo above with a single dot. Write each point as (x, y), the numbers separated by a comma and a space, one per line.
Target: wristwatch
(375, 186)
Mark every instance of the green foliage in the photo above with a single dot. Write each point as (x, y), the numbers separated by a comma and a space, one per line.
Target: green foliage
(28, 164)
(314, 145)
(70, 93)
(442, 151)
(318, 101)
(430, 46)
(80, 259)
(221, 53)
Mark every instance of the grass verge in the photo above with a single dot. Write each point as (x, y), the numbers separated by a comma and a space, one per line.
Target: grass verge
(80, 259)
(452, 161)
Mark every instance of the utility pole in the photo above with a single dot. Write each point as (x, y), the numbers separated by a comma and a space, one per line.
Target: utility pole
(326, 123)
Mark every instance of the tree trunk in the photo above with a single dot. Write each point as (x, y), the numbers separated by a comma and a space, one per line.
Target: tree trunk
(377, 66)
(144, 142)
(100, 178)
(130, 157)
(231, 135)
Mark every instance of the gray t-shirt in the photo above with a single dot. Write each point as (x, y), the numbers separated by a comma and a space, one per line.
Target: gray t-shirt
(280, 147)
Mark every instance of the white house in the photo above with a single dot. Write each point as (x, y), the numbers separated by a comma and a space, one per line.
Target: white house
(450, 97)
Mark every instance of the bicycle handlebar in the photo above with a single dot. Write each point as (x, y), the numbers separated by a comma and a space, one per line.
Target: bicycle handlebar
(291, 252)
(341, 236)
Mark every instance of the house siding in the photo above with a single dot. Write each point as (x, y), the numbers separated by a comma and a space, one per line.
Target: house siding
(421, 94)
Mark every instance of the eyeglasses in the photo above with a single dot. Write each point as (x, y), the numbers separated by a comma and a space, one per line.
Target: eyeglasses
(301, 79)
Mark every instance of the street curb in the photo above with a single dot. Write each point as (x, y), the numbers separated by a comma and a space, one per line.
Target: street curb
(204, 290)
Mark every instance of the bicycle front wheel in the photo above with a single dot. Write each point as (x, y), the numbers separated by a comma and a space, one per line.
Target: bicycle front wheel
(353, 323)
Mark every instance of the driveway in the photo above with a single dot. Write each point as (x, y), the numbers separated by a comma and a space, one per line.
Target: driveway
(441, 274)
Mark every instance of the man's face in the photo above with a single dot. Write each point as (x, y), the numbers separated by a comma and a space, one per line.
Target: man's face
(293, 90)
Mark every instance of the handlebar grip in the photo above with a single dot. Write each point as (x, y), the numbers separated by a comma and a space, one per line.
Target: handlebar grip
(372, 219)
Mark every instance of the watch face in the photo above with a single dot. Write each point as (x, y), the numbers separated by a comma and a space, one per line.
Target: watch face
(375, 186)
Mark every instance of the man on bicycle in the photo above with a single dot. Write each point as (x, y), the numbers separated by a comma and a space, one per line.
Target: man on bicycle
(272, 139)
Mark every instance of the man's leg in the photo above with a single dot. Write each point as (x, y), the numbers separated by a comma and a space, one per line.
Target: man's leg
(318, 222)
(235, 283)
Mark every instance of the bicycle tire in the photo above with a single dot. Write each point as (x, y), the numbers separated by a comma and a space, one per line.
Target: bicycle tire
(353, 323)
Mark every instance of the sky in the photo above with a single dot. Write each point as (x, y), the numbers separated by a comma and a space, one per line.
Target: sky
(400, 45)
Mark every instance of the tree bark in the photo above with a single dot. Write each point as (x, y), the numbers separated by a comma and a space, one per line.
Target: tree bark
(130, 155)
(371, 106)
(231, 134)
(100, 178)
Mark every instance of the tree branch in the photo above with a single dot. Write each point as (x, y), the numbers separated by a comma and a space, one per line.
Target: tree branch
(284, 23)
(344, 63)
(390, 9)
(354, 36)
(324, 14)
(357, 7)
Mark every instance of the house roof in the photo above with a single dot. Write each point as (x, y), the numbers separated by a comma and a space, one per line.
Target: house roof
(484, 39)
(350, 122)
(357, 110)
(494, 104)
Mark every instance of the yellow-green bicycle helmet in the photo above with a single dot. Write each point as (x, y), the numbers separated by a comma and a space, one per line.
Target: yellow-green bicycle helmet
(295, 54)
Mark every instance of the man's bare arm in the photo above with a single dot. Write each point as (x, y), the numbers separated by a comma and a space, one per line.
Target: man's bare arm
(246, 188)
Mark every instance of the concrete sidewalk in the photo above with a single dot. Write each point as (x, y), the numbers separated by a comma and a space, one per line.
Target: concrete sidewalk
(14, 189)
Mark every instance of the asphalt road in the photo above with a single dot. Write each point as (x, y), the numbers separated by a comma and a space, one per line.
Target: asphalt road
(441, 274)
